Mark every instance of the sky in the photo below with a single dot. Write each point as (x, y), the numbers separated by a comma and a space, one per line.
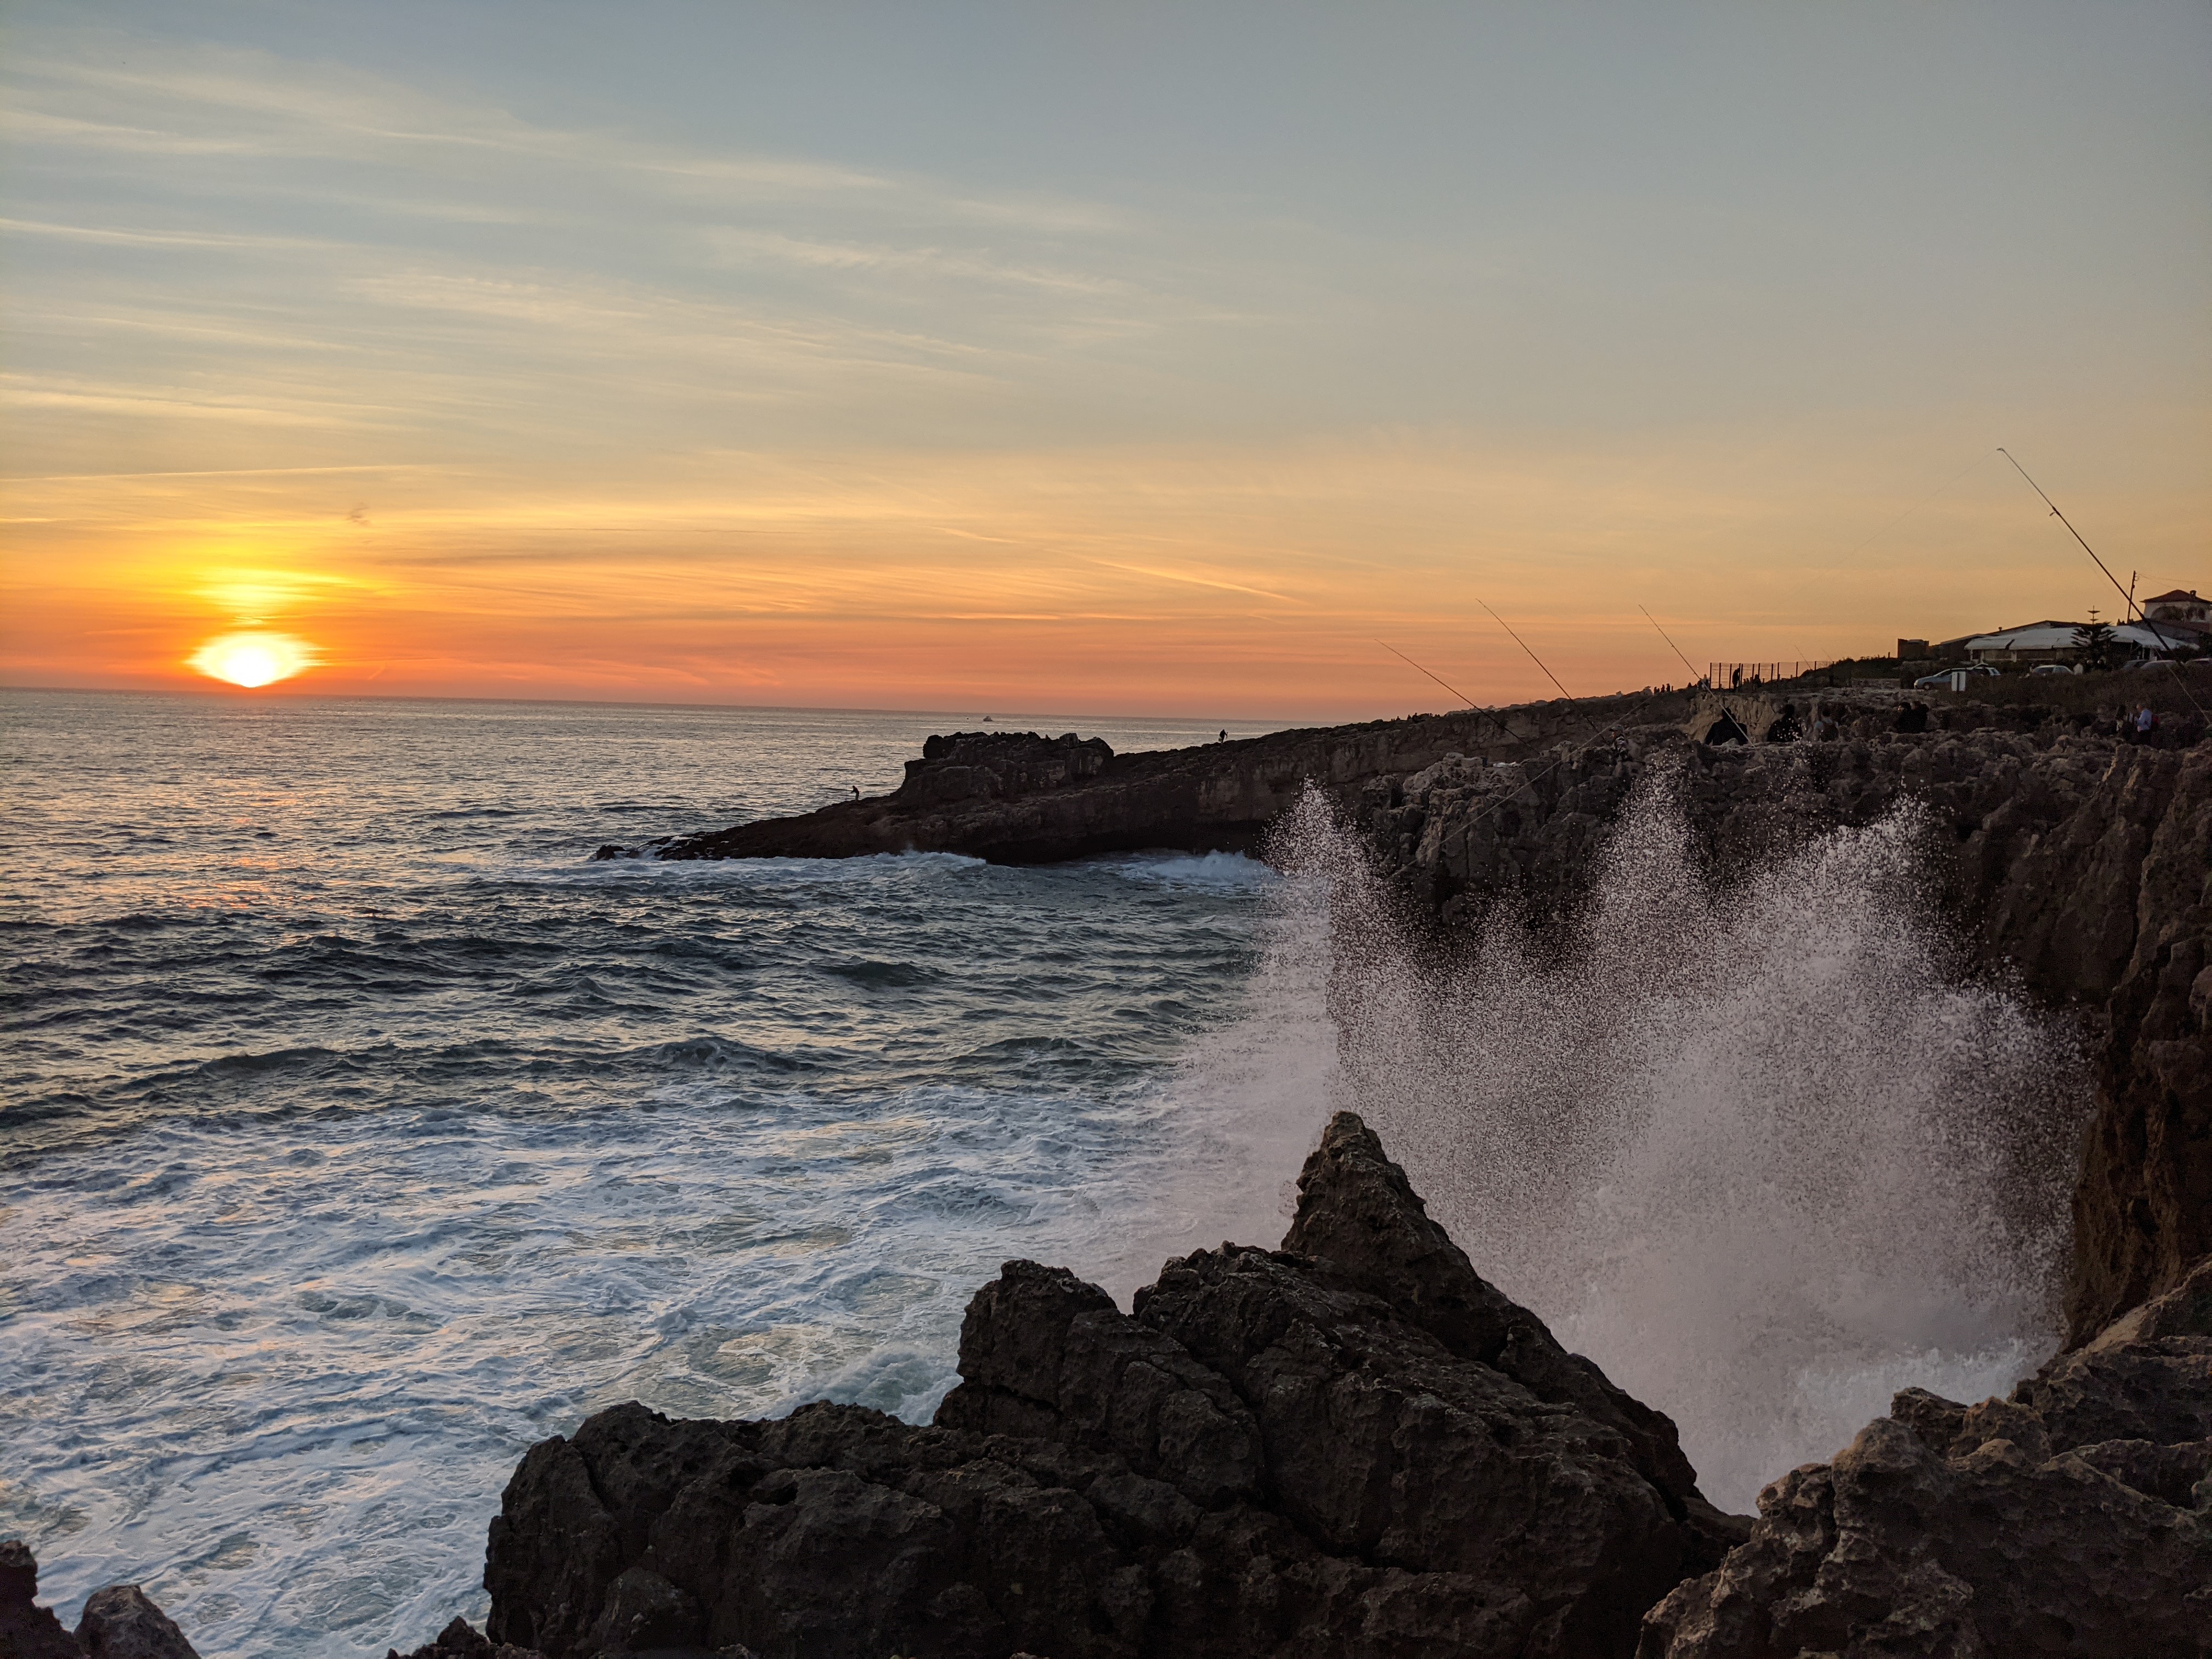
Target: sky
(1118, 358)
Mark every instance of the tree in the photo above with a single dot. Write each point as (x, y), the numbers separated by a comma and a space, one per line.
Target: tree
(2093, 645)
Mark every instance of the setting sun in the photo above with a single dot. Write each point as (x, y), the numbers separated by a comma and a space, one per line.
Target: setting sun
(253, 659)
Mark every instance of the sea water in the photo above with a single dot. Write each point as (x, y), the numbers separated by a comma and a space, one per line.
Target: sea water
(358, 1130)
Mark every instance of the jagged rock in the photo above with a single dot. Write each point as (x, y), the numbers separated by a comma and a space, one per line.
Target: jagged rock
(120, 1622)
(27, 1630)
(1351, 1446)
(462, 1640)
(995, 765)
(2142, 1210)
(1018, 797)
(2073, 1517)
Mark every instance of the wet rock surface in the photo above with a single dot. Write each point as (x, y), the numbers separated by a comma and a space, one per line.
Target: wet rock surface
(462, 1640)
(2073, 1517)
(27, 1630)
(119, 1622)
(1351, 1445)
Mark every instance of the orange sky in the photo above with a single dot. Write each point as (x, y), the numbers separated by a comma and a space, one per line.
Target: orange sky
(480, 397)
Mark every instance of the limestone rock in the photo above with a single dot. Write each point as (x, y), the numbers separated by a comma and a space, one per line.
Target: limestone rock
(27, 1630)
(119, 1622)
(462, 1640)
(1018, 798)
(2074, 1517)
(2142, 1210)
(1353, 1445)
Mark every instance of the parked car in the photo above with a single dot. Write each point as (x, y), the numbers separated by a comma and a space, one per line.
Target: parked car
(2052, 668)
(1942, 677)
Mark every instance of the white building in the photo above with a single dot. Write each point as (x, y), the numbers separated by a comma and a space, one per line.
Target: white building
(2057, 641)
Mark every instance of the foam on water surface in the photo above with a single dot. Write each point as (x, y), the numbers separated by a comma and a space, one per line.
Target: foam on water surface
(359, 1133)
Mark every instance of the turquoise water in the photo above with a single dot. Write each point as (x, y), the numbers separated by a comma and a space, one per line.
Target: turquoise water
(358, 1131)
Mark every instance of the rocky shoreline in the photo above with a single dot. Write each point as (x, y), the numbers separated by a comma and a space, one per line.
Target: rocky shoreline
(1353, 1443)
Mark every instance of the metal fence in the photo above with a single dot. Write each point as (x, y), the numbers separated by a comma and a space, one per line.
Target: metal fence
(1734, 676)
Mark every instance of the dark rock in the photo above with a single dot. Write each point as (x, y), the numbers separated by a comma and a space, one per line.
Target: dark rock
(2074, 1517)
(1018, 797)
(119, 1622)
(2084, 865)
(2142, 1210)
(995, 765)
(27, 1630)
(1353, 1445)
(462, 1640)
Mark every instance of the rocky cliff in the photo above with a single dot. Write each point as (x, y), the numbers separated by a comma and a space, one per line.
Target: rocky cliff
(1354, 1444)
(1351, 1445)
(119, 1622)
(1018, 798)
(2079, 863)
(2082, 865)
(2074, 1517)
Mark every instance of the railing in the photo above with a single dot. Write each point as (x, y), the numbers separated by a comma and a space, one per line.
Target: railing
(1735, 676)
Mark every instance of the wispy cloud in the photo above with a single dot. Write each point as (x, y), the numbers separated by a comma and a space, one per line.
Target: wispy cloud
(1187, 578)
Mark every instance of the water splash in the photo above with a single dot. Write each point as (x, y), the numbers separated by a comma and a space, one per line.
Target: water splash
(1765, 1152)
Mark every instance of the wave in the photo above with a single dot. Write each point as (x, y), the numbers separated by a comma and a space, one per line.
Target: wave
(1765, 1152)
(1232, 871)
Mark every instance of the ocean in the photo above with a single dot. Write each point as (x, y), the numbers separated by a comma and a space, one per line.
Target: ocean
(359, 1131)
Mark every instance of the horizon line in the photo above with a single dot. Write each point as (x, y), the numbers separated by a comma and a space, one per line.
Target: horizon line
(238, 693)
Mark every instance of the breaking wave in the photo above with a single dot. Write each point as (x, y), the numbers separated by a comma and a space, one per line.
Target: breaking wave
(1766, 1151)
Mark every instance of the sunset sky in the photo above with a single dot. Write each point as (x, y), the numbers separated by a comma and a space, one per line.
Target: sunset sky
(1112, 358)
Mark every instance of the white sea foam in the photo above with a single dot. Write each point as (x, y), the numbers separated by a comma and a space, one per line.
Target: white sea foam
(1765, 1153)
(1231, 871)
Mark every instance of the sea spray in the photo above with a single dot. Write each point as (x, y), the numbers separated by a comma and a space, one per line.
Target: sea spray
(1764, 1149)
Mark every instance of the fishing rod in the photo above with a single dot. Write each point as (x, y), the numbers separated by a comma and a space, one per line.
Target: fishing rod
(1671, 646)
(2129, 598)
(1448, 686)
(2127, 594)
(1438, 678)
(1523, 644)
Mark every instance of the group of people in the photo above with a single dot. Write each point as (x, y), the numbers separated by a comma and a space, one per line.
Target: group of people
(2142, 726)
